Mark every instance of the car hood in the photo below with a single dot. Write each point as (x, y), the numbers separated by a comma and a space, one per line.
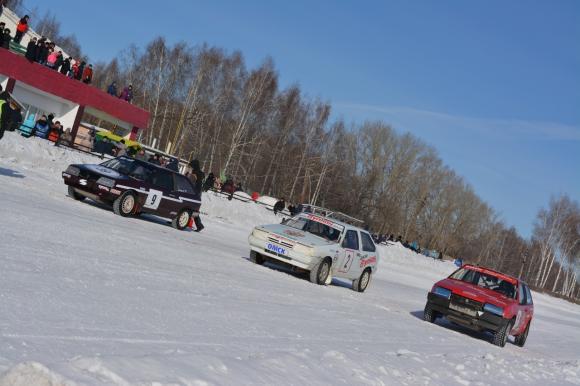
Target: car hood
(296, 235)
(101, 170)
(474, 292)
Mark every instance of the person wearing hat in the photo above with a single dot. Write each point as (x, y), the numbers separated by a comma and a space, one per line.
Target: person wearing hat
(88, 74)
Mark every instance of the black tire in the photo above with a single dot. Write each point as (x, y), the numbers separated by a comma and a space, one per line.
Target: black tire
(181, 221)
(75, 195)
(321, 271)
(429, 315)
(521, 339)
(362, 283)
(125, 204)
(256, 258)
(500, 337)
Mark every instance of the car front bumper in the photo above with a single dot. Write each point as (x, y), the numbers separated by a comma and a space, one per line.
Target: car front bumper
(91, 189)
(481, 321)
(290, 257)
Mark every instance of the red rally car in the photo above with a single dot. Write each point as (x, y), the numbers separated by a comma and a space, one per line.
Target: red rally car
(483, 300)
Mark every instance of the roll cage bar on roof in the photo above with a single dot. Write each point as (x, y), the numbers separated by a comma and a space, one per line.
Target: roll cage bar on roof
(308, 208)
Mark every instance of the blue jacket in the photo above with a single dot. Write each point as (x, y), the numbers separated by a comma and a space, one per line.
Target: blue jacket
(42, 130)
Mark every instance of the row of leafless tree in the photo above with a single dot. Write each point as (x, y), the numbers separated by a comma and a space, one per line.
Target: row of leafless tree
(205, 103)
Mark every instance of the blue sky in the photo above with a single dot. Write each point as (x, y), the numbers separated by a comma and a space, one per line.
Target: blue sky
(493, 85)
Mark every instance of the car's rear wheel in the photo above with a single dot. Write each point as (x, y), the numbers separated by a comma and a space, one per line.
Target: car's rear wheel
(500, 337)
(319, 274)
(125, 204)
(429, 314)
(181, 220)
(256, 258)
(361, 284)
(75, 195)
(521, 339)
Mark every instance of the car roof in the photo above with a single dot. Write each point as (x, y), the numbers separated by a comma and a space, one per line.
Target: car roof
(493, 272)
(149, 164)
(333, 220)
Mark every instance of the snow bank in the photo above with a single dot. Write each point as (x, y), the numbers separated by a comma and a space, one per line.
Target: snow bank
(32, 374)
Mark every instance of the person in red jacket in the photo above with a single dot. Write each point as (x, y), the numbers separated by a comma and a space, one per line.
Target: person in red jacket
(88, 74)
(21, 29)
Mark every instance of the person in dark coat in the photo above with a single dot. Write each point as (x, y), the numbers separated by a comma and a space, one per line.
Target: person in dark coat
(279, 206)
(6, 38)
(59, 61)
(112, 89)
(42, 51)
(196, 176)
(31, 50)
(65, 67)
(2, 27)
(79, 76)
(10, 116)
(173, 164)
(209, 181)
(127, 94)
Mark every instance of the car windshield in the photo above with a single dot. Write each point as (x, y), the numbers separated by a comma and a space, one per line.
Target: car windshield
(485, 280)
(314, 227)
(121, 165)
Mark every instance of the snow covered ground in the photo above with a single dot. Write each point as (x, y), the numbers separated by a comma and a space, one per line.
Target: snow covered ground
(88, 297)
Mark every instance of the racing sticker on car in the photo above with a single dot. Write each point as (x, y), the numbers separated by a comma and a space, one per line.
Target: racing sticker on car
(153, 199)
(369, 261)
(347, 262)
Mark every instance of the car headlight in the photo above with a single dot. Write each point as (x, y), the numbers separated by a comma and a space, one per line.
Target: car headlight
(109, 183)
(493, 309)
(303, 250)
(444, 292)
(73, 170)
(260, 234)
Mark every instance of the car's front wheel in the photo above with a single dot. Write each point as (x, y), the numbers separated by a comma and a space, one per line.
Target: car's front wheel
(521, 339)
(125, 204)
(181, 220)
(75, 195)
(501, 336)
(361, 284)
(256, 258)
(321, 271)
(429, 315)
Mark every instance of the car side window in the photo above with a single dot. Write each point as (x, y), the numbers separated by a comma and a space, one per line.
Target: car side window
(350, 240)
(367, 242)
(522, 294)
(528, 296)
(182, 184)
(163, 179)
(141, 173)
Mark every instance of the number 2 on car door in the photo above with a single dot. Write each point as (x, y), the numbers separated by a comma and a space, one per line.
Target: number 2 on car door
(347, 262)
(153, 199)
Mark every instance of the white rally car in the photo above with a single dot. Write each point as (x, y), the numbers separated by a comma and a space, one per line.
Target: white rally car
(320, 243)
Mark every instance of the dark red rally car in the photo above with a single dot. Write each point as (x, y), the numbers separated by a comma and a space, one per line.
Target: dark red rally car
(133, 186)
(483, 300)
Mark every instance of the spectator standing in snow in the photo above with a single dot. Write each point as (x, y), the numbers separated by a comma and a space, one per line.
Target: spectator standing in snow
(9, 116)
(31, 50)
(6, 39)
(209, 181)
(79, 75)
(279, 205)
(173, 164)
(21, 28)
(65, 67)
(112, 89)
(196, 176)
(121, 148)
(88, 74)
(127, 94)
(41, 128)
(73, 73)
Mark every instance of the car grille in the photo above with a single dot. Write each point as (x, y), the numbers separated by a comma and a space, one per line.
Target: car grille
(283, 243)
(465, 302)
